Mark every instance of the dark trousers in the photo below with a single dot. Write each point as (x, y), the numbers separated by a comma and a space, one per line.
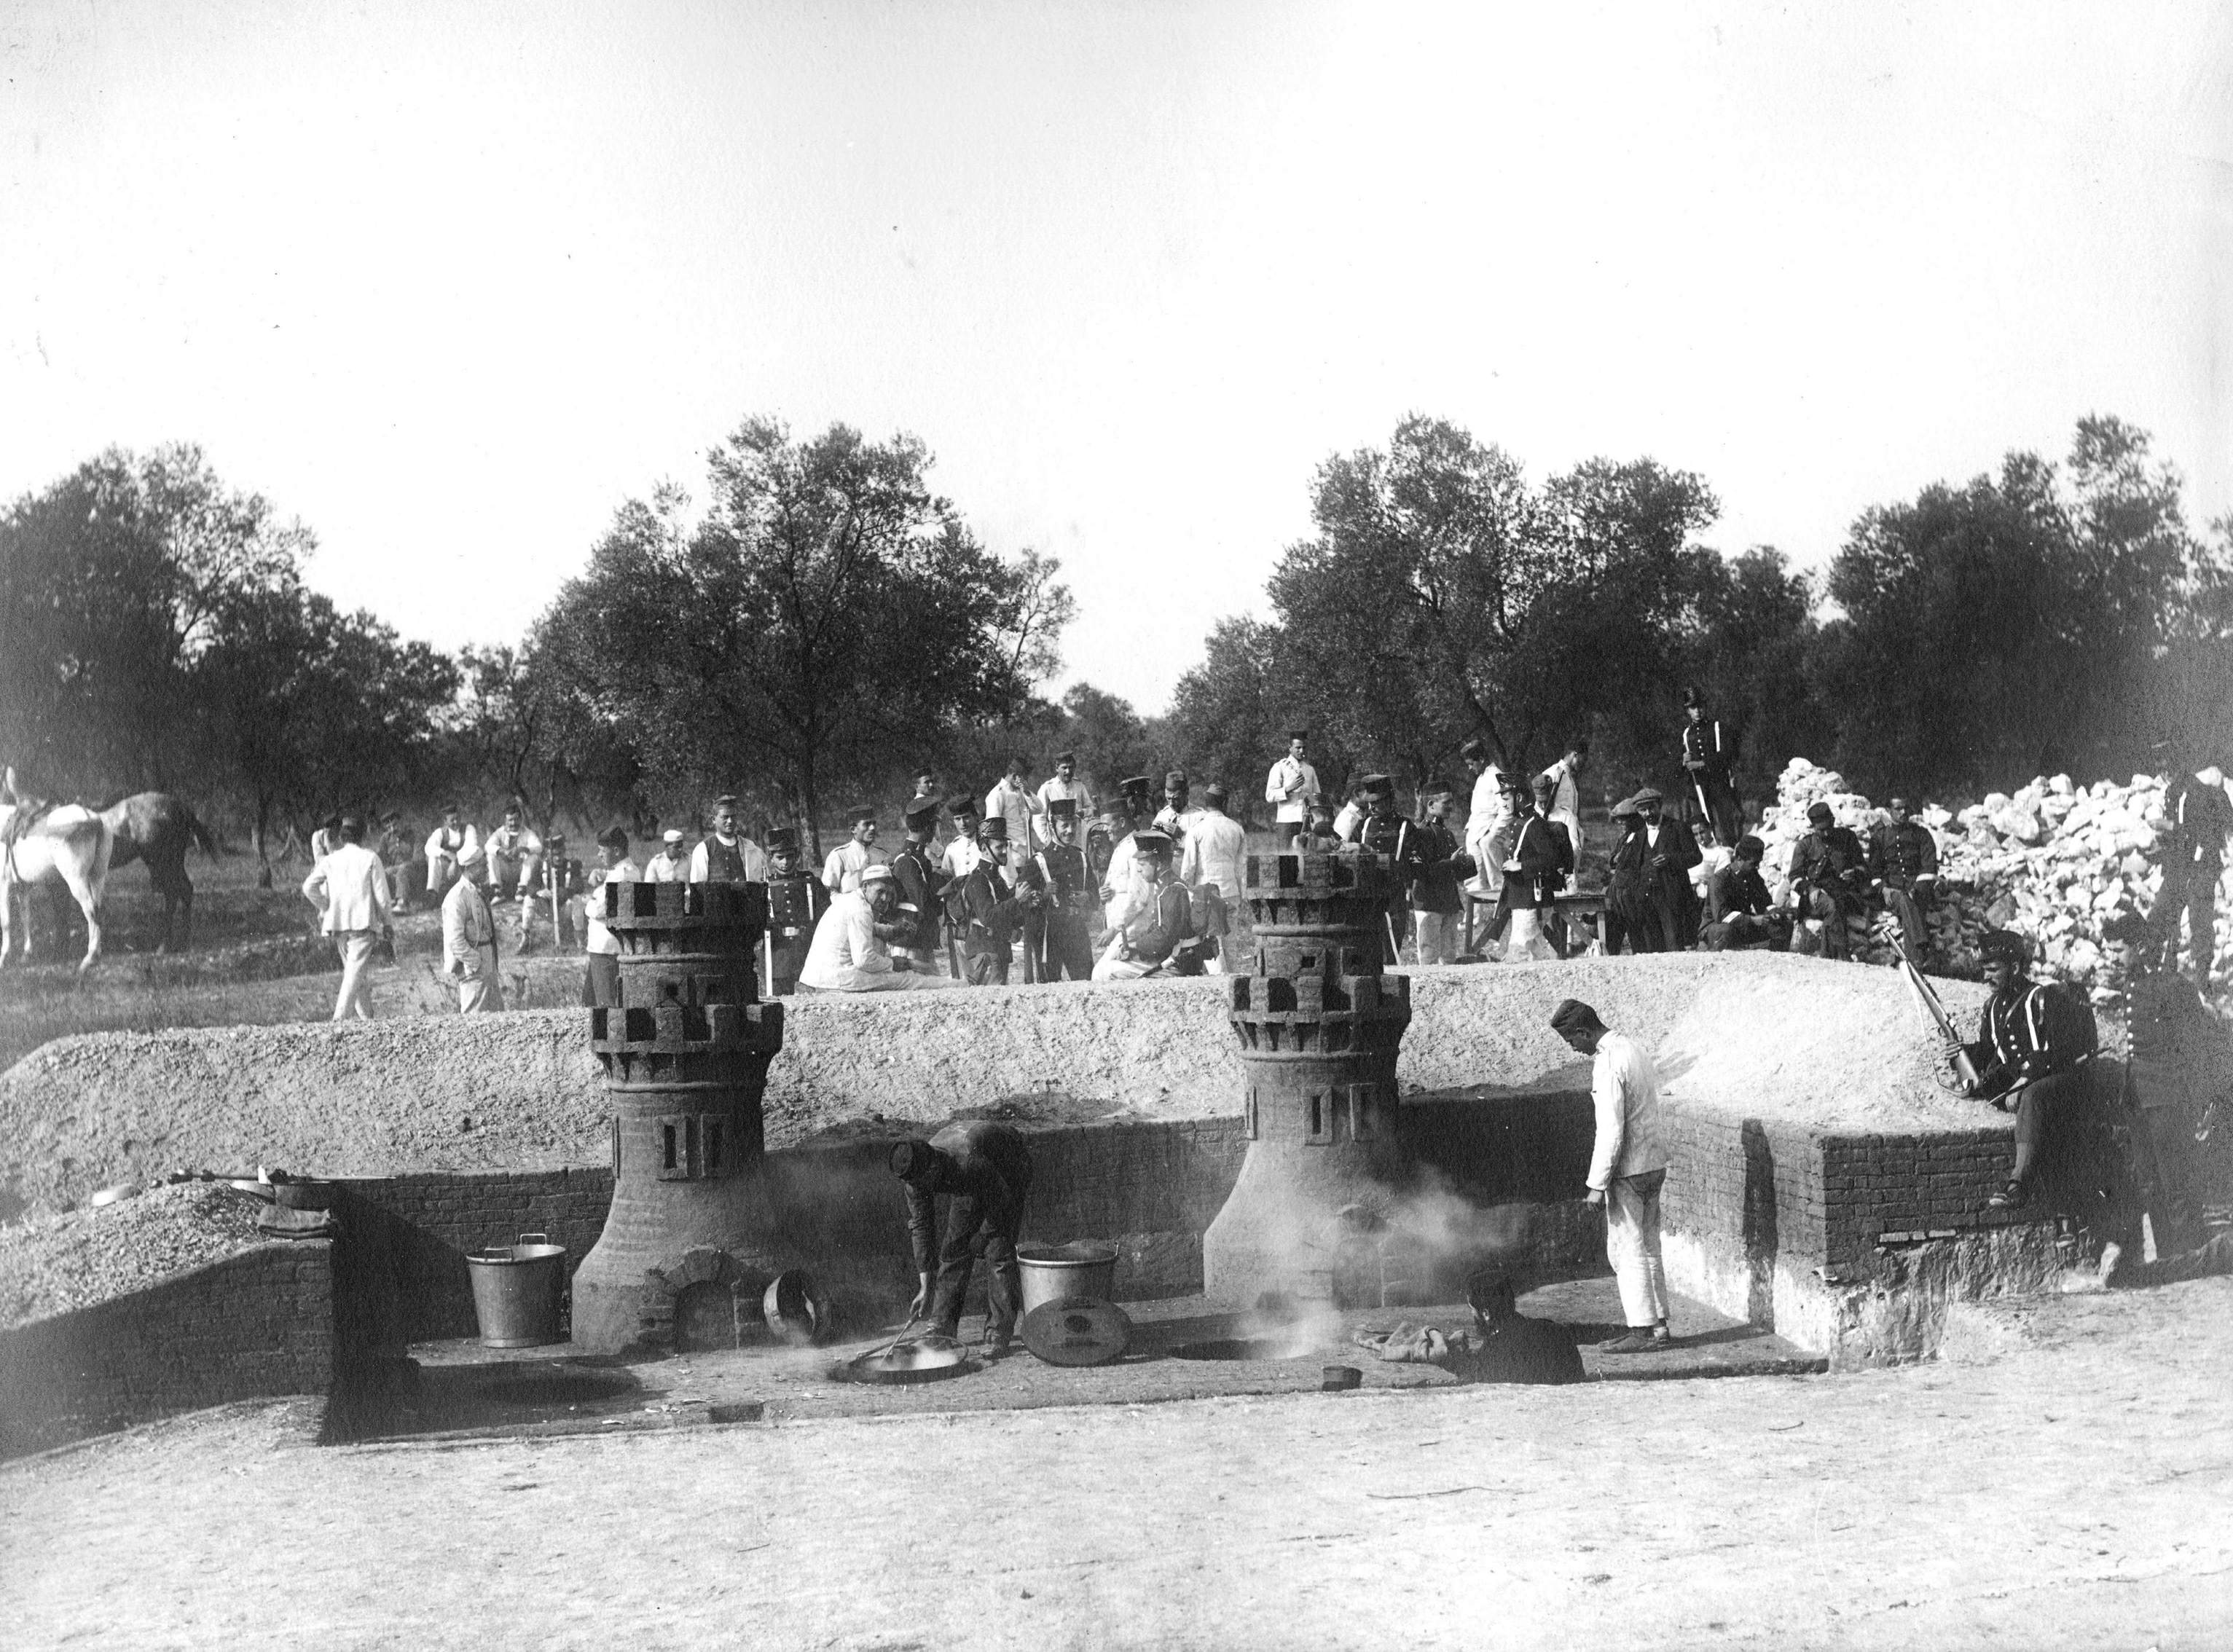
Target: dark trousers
(2162, 1146)
(1719, 800)
(1914, 928)
(2196, 891)
(968, 1236)
(1066, 948)
(1631, 915)
(1744, 932)
(601, 984)
(986, 969)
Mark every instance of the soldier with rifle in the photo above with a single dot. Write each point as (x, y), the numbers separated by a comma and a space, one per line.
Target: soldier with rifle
(989, 909)
(919, 874)
(1063, 929)
(1386, 832)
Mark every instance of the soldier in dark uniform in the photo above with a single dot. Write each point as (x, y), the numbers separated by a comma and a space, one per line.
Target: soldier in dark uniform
(796, 903)
(1063, 927)
(983, 1170)
(920, 874)
(1541, 861)
(1384, 831)
(1739, 912)
(1707, 756)
(1156, 935)
(1631, 913)
(2179, 1062)
(989, 909)
(2194, 857)
(1829, 872)
(1903, 863)
(2031, 1056)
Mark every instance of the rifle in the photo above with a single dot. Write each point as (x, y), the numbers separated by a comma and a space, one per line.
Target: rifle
(1927, 996)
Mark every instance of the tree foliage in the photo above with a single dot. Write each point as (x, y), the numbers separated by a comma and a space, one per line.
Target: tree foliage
(828, 611)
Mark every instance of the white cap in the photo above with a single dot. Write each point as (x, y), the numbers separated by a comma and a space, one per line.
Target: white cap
(877, 873)
(673, 838)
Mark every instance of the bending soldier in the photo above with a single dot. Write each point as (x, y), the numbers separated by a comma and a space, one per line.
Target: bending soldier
(984, 1172)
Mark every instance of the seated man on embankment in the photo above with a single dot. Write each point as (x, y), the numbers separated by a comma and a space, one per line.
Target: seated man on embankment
(1740, 911)
(851, 953)
(984, 1171)
(2035, 1043)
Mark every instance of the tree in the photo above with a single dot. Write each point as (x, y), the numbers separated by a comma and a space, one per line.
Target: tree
(829, 616)
(1442, 598)
(319, 710)
(2016, 625)
(111, 585)
(525, 728)
(1230, 714)
(1749, 647)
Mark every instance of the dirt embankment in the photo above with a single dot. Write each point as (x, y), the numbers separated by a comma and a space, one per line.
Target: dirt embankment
(53, 1264)
(1834, 1045)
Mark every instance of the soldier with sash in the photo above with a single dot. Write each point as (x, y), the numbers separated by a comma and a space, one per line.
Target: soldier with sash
(917, 866)
(1063, 927)
(1386, 832)
(1154, 935)
(987, 909)
(796, 903)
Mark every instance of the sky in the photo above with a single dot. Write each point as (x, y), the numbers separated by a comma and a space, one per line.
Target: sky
(450, 282)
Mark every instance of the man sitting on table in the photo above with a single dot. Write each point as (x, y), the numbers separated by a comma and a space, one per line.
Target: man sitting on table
(849, 955)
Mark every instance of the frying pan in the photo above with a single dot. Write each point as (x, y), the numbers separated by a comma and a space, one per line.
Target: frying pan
(925, 1358)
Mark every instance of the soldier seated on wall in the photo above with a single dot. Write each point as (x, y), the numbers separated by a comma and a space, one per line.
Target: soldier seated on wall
(849, 953)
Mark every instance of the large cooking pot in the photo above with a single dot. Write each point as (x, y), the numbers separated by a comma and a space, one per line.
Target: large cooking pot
(930, 1358)
(1063, 1272)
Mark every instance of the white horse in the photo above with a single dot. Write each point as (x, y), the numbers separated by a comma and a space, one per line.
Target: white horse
(70, 845)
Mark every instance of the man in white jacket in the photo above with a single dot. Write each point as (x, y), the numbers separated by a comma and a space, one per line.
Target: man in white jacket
(1215, 849)
(443, 845)
(848, 955)
(349, 887)
(1291, 788)
(469, 950)
(1627, 1170)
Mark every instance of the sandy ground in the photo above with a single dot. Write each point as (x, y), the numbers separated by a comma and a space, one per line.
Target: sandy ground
(2075, 1491)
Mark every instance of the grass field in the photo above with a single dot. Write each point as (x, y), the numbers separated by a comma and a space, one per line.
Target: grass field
(256, 959)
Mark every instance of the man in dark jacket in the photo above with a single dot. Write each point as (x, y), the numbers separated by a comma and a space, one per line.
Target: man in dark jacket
(1066, 920)
(984, 1172)
(1386, 832)
(2194, 857)
(988, 908)
(1155, 932)
(1829, 873)
(1437, 897)
(796, 903)
(1903, 867)
(1669, 852)
(916, 864)
(1739, 912)
(2178, 1062)
(2031, 1056)
(1538, 868)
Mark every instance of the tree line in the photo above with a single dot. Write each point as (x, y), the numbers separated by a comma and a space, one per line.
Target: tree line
(827, 626)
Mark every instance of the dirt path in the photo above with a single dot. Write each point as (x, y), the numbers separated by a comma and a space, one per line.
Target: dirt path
(2078, 1491)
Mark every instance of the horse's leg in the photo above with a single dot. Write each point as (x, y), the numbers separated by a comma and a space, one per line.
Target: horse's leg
(7, 918)
(85, 887)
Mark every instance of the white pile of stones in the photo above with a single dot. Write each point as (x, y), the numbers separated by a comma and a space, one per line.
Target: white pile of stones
(2055, 861)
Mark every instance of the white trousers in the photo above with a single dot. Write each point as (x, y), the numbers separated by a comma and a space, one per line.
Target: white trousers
(356, 996)
(846, 978)
(482, 991)
(1112, 968)
(1437, 934)
(1526, 940)
(1632, 1248)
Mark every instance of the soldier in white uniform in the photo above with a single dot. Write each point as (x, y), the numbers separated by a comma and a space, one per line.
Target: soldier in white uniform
(1292, 787)
(847, 955)
(672, 864)
(1213, 857)
(841, 868)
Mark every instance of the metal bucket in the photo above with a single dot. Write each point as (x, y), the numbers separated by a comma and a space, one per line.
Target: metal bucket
(517, 1290)
(1062, 1273)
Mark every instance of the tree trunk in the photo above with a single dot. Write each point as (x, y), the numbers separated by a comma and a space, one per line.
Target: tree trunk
(259, 838)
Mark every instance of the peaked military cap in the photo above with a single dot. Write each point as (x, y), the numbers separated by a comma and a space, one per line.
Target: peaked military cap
(1175, 778)
(2004, 945)
(783, 840)
(1138, 786)
(860, 812)
(1061, 808)
(1151, 842)
(1213, 793)
(995, 827)
(1377, 785)
(923, 811)
(726, 800)
(961, 808)
(1070, 758)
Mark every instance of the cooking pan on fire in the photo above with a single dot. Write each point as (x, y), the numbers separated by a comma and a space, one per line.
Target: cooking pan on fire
(930, 1358)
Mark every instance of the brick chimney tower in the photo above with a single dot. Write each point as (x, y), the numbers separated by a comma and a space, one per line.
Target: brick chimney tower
(1320, 1026)
(690, 1242)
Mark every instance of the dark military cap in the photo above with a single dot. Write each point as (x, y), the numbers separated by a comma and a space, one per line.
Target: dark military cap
(1213, 793)
(860, 812)
(996, 828)
(1819, 814)
(1070, 758)
(2004, 945)
(1061, 808)
(1150, 842)
(922, 812)
(1377, 785)
(782, 840)
(1175, 778)
(1692, 697)
(1137, 786)
(960, 808)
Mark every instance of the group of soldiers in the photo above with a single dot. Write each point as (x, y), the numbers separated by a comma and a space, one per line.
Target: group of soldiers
(1036, 884)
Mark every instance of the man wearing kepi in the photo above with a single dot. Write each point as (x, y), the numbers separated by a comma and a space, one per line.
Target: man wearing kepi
(1063, 932)
(984, 1172)
(797, 901)
(1903, 861)
(1627, 1167)
(849, 955)
(2032, 1049)
(672, 864)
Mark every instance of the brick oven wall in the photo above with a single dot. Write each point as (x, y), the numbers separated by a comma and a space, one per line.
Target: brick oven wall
(260, 1322)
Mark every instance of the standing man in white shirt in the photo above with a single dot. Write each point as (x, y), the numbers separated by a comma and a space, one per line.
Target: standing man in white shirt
(960, 857)
(1491, 814)
(349, 886)
(1213, 857)
(601, 987)
(727, 856)
(1064, 784)
(1015, 802)
(843, 867)
(672, 864)
(1176, 815)
(1628, 1168)
(444, 844)
(1292, 787)
(469, 944)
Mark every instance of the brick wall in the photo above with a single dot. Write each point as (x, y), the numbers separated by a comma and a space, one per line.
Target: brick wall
(260, 1322)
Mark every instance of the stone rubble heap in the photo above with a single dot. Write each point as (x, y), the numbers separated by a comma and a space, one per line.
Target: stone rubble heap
(2054, 862)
